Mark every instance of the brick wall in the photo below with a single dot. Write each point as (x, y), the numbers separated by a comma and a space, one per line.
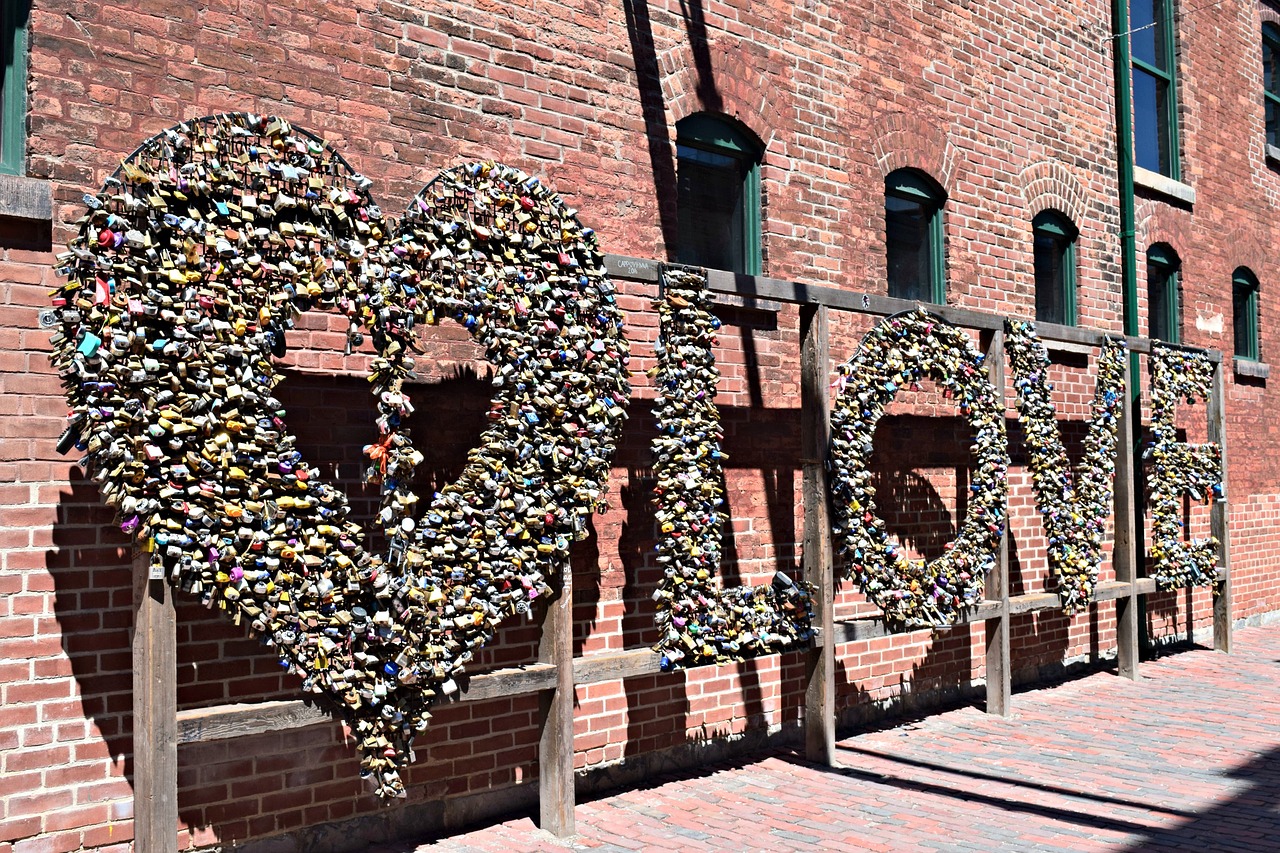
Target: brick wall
(1009, 107)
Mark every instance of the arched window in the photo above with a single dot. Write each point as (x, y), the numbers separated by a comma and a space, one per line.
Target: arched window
(718, 194)
(1164, 311)
(1244, 313)
(913, 236)
(1055, 268)
(1271, 80)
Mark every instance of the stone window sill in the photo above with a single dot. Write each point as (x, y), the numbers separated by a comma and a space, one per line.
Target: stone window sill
(1168, 187)
(1251, 368)
(26, 198)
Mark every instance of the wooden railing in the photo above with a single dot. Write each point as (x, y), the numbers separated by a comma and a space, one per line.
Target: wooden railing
(159, 727)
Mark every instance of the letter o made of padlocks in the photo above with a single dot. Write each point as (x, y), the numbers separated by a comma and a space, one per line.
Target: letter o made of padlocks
(189, 268)
(899, 352)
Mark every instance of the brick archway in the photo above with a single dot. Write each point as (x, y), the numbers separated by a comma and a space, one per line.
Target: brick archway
(1051, 185)
(909, 141)
(1159, 223)
(744, 93)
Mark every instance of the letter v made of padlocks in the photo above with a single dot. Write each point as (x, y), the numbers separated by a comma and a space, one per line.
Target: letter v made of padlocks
(1074, 506)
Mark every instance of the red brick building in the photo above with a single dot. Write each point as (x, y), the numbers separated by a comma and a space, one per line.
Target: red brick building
(918, 149)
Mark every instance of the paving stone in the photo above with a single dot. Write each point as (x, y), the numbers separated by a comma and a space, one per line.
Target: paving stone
(1184, 759)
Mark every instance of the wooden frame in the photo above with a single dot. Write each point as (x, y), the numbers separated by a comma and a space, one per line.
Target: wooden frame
(159, 727)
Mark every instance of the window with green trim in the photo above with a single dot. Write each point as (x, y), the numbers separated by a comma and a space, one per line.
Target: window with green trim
(1244, 313)
(718, 194)
(1271, 81)
(1164, 310)
(1055, 268)
(13, 88)
(913, 236)
(1155, 86)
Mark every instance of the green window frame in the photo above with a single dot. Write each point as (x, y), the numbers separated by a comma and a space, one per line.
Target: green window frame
(914, 238)
(1244, 314)
(13, 89)
(1054, 241)
(718, 194)
(1271, 81)
(1164, 297)
(1153, 49)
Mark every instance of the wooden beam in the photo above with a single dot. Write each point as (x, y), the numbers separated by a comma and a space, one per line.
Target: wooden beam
(1124, 556)
(221, 722)
(820, 672)
(555, 742)
(612, 666)
(858, 630)
(799, 293)
(1034, 602)
(1218, 516)
(155, 711)
(999, 662)
(227, 721)
(1112, 591)
(873, 627)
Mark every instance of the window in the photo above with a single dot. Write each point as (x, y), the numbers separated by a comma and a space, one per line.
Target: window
(1244, 313)
(1271, 80)
(913, 236)
(1164, 315)
(718, 194)
(13, 88)
(1055, 268)
(1155, 90)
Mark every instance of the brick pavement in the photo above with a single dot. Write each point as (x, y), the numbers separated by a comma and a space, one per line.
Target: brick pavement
(1183, 760)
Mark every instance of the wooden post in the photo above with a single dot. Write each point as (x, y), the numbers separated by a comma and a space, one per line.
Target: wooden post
(1125, 556)
(1218, 518)
(999, 662)
(820, 671)
(555, 743)
(155, 712)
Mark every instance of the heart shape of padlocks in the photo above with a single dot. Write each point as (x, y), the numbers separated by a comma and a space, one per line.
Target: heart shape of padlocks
(190, 266)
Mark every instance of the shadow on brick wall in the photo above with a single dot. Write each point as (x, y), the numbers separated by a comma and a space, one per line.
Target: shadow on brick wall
(90, 564)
